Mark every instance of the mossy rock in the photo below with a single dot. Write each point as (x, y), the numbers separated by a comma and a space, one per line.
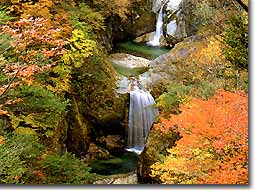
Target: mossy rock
(94, 88)
(155, 147)
(78, 132)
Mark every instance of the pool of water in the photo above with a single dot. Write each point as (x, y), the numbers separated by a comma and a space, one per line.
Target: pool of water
(125, 71)
(124, 163)
(141, 50)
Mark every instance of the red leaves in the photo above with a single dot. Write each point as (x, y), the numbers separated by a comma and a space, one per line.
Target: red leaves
(35, 37)
(36, 46)
(220, 125)
(222, 119)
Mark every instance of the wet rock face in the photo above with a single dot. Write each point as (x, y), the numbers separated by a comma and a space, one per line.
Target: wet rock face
(141, 20)
(113, 143)
(96, 152)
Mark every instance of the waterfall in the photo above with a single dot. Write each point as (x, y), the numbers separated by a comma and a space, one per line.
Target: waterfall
(159, 30)
(142, 112)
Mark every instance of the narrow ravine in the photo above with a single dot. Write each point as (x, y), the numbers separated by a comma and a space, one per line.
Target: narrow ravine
(121, 168)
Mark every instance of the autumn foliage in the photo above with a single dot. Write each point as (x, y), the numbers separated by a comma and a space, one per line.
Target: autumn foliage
(214, 144)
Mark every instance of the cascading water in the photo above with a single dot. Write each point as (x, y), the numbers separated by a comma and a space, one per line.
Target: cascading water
(159, 30)
(142, 112)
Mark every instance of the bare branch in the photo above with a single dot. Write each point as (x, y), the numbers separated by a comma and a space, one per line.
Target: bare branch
(245, 7)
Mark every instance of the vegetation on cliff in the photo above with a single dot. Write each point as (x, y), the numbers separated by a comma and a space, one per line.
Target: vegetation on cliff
(206, 103)
(57, 93)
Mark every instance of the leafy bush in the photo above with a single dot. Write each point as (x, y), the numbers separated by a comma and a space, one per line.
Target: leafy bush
(170, 100)
(3, 15)
(214, 144)
(204, 14)
(236, 40)
(39, 109)
(17, 154)
(65, 169)
(11, 166)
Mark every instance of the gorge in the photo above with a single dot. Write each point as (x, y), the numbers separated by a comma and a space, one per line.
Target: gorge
(123, 92)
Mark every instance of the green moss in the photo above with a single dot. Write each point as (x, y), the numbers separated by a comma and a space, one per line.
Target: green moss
(94, 84)
(78, 131)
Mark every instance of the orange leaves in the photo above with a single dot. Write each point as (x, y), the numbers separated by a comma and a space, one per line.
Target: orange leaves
(213, 131)
(40, 174)
(35, 37)
(37, 46)
(1, 139)
(221, 119)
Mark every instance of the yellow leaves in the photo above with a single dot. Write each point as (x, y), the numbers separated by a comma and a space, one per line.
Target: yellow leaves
(81, 48)
(1, 140)
(14, 120)
(173, 151)
(82, 43)
(211, 130)
(25, 131)
(208, 52)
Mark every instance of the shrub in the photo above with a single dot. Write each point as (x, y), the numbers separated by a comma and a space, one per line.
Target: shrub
(17, 154)
(236, 40)
(214, 144)
(65, 169)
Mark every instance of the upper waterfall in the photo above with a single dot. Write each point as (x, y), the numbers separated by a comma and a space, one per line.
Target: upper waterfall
(159, 29)
(142, 113)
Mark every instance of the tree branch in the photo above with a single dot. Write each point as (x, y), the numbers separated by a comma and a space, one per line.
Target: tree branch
(245, 7)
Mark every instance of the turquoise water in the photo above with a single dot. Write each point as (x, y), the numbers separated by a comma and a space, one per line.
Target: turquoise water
(142, 50)
(125, 71)
(124, 163)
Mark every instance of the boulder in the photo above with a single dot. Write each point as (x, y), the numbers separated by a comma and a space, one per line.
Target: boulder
(174, 23)
(141, 20)
(149, 37)
(113, 143)
(95, 152)
(156, 4)
(145, 37)
(156, 145)
(130, 178)
(163, 69)
(129, 61)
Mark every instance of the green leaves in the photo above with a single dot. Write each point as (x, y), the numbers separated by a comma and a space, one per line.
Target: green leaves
(170, 100)
(236, 39)
(39, 109)
(81, 48)
(16, 154)
(87, 19)
(65, 169)
(3, 15)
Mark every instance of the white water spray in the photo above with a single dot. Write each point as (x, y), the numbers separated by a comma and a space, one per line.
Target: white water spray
(142, 112)
(159, 30)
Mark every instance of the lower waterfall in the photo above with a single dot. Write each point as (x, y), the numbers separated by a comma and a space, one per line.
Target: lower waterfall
(142, 112)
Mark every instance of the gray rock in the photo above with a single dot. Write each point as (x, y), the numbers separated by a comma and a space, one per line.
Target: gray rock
(129, 61)
(162, 68)
(130, 178)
